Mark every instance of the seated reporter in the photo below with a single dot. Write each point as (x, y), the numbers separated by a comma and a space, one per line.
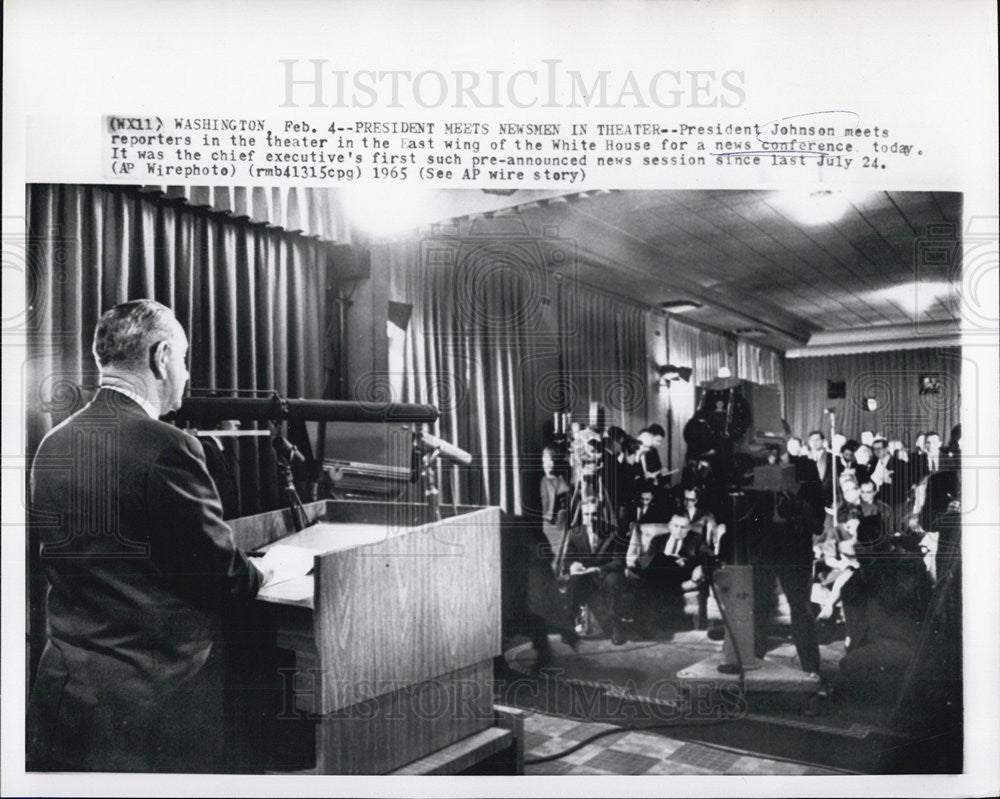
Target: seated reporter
(591, 564)
(703, 524)
(871, 505)
(849, 464)
(834, 520)
(660, 566)
(653, 507)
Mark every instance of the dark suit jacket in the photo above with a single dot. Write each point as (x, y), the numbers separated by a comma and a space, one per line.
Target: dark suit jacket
(861, 472)
(896, 491)
(919, 466)
(654, 562)
(805, 469)
(139, 565)
(826, 480)
(608, 556)
(659, 511)
(780, 528)
(813, 490)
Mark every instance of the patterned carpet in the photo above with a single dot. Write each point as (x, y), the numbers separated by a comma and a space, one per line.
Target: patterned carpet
(633, 753)
(601, 686)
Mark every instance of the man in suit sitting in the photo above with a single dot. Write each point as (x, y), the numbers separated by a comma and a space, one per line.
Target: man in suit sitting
(591, 563)
(659, 566)
(703, 523)
(140, 568)
(871, 505)
(653, 507)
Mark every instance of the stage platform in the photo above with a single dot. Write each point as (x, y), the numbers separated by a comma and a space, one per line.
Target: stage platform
(637, 686)
(667, 669)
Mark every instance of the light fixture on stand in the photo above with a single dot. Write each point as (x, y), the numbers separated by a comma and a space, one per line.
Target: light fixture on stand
(671, 374)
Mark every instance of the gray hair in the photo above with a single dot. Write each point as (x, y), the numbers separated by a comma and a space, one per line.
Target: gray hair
(125, 333)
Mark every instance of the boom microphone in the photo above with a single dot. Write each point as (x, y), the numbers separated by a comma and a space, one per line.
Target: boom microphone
(274, 409)
(447, 449)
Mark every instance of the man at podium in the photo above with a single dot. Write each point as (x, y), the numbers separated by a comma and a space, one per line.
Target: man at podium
(139, 564)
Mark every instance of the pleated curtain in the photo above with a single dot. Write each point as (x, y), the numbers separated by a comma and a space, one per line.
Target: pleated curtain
(499, 351)
(463, 352)
(758, 364)
(251, 298)
(315, 212)
(891, 378)
(603, 356)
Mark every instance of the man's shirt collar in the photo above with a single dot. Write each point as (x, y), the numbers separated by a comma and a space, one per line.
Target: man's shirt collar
(142, 402)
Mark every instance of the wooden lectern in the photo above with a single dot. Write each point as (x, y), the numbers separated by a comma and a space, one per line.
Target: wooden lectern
(393, 633)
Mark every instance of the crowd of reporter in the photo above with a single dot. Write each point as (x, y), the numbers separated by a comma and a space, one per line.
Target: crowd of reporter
(629, 542)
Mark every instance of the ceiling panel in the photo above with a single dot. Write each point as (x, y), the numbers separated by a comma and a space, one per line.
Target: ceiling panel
(751, 261)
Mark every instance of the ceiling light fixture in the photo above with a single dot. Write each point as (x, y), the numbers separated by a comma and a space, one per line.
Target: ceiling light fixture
(915, 297)
(814, 207)
(677, 306)
(386, 211)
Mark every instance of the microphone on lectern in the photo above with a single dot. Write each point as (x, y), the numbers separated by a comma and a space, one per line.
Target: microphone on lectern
(447, 449)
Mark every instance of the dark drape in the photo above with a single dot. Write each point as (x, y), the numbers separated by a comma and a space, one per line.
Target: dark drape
(892, 378)
(250, 297)
(500, 346)
(464, 351)
(312, 211)
(603, 356)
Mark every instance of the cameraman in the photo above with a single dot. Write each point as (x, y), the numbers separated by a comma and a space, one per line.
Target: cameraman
(782, 526)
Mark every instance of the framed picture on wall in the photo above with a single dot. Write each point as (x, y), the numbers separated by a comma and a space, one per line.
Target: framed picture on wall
(930, 384)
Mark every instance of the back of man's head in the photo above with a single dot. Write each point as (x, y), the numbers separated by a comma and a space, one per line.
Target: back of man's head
(126, 333)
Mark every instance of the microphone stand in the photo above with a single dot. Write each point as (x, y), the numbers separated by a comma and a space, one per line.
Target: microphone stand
(286, 452)
(425, 456)
(429, 471)
(424, 462)
(833, 466)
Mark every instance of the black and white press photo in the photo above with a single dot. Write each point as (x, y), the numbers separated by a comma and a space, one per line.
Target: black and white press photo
(500, 398)
(493, 482)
